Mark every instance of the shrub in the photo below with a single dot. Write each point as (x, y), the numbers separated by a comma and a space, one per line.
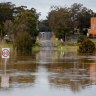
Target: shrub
(23, 42)
(87, 46)
(90, 35)
(81, 38)
(33, 40)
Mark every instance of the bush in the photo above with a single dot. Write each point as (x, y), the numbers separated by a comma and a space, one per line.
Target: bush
(23, 42)
(90, 35)
(8, 40)
(87, 46)
(81, 38)
(33, 40)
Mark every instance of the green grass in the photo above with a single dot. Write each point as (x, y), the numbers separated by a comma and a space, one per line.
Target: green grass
(54, 38)
(58, 47)
(10, 46)
(67, 48)
(3, 44)
(93, 40)
(72, 43)
(36, 46)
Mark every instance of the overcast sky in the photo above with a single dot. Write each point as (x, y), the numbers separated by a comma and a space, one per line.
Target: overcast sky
(43, 6)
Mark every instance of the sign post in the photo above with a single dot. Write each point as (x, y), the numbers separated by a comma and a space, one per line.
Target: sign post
(5, 53)
(5, 77)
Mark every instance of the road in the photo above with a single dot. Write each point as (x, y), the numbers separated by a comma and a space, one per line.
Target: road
(45, 39)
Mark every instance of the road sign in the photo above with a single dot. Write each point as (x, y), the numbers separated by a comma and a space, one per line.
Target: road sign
(5, 52)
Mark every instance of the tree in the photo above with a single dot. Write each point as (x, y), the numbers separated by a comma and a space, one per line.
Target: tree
(25, 30)
(87, 46)
(6, 12)
(23, 42)
(8, 24)
(1, 32)
(81, 16)
(44, 26)
(27, 19)
(20, 9)
(60, 22)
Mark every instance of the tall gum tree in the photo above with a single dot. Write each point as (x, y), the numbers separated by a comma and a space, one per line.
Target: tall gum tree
(60, 22)
(27, 19)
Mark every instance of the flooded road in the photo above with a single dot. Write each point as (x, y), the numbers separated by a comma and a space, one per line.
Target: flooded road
(49, 73)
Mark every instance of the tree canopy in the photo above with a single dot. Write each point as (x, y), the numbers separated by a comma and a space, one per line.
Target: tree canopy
(63, 20)
(28, 21)
(81, 16)
(6, 12)
(60, 21)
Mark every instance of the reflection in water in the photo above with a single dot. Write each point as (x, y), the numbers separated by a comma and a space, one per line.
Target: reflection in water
(5, 81)
(44, 56)
(93, 71)
(49, 73)
(69, 77)
(4, 75)
(67, 71)
(19, 70)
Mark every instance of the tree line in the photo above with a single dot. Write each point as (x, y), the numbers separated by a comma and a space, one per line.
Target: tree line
(64, 21)
(19, 23)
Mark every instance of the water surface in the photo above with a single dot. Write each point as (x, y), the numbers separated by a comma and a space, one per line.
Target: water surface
(49, 73)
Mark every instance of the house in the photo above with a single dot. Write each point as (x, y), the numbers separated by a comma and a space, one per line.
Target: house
(92, 31)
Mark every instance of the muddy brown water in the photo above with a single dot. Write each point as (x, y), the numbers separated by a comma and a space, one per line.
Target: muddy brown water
(49, 73)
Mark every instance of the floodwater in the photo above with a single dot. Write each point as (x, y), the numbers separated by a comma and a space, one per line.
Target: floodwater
(48, 73)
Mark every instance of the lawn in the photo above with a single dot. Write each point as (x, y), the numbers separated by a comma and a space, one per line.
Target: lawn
(94, 40)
